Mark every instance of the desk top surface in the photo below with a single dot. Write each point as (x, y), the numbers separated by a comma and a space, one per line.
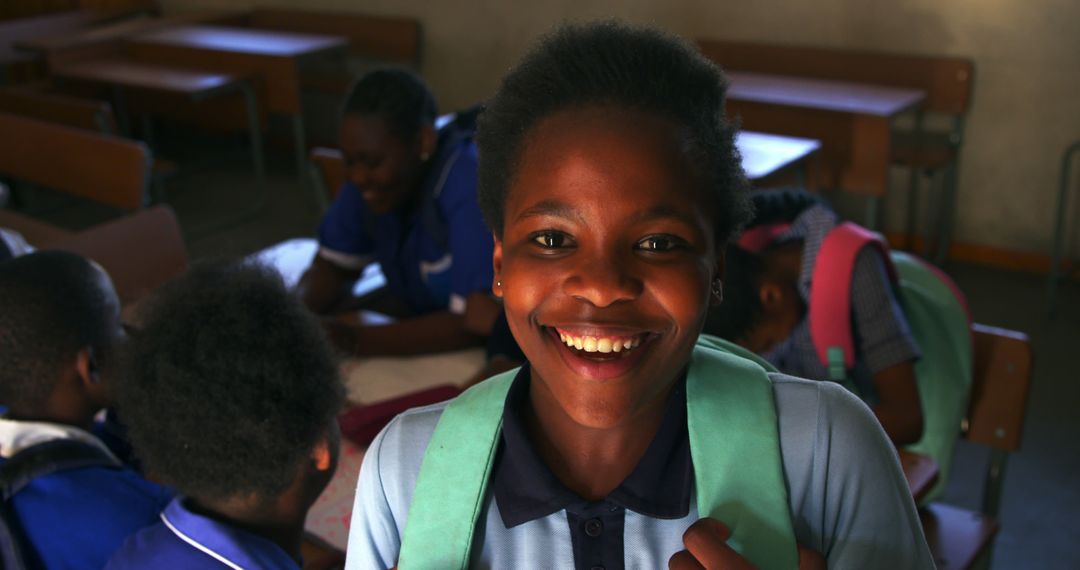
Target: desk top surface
(146, 76)
(87, 32)
(243, 40)
(764, 154)
(921, 472)
(822, 94)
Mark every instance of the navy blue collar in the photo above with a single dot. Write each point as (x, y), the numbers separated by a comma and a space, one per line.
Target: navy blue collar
(231, 546)
(525, 489)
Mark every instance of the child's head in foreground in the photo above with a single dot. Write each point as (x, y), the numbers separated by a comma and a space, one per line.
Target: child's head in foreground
(612, 183)
(59, 328)
(230, 392)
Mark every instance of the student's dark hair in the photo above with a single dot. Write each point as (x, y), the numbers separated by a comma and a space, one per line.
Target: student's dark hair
(612, 64)
(397, 95)
(781, 205)
(743, 270)
(52, 304)
(230, 384)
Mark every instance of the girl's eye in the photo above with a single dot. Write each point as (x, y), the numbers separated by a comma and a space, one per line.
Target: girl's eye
(552, 240)
(660, 243)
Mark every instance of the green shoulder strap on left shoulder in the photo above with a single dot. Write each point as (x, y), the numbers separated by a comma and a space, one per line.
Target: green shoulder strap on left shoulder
(731, 418)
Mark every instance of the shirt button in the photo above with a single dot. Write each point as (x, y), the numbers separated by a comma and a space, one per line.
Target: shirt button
(593, 527)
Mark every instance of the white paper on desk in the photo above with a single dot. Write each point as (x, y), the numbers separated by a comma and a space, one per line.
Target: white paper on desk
(371, 380)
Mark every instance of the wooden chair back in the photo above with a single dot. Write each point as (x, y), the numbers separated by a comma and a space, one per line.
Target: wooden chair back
(329, 170)
(36, 232)
(57, 108)
(947, 81)
(382, 38)
(140, 251)
(999, 393)
(102, 168)
(958, 538)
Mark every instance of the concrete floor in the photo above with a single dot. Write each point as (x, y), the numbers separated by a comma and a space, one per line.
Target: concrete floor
(1040, 526)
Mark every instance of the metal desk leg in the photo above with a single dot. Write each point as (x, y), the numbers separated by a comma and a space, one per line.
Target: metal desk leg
(873, 204)
(1059, 225)
(252, 105)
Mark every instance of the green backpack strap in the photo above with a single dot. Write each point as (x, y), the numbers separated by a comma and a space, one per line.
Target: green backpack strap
(454, 475)
(739, 477)
(939, 322)
(738, 473)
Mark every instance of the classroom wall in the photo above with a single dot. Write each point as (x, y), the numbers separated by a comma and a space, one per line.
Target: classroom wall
(1027, 86)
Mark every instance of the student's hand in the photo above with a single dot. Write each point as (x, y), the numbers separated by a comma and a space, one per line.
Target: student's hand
(343, 336)
(706, 548)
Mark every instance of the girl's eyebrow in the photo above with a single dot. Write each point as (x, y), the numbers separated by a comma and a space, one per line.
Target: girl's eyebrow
(665, 212)
(550, 208)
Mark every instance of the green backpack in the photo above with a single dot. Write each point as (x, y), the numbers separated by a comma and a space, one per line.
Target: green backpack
(937, 313)
(725, 387)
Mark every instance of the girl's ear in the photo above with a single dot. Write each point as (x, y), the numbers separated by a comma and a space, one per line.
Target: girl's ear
(496, 263)
(771, 295)
(428, 139)
(321, 457)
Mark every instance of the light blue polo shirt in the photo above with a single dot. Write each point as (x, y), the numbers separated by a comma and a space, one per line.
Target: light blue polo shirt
(846, 491)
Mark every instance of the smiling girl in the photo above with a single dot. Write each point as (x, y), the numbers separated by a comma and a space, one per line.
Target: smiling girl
(612, 185)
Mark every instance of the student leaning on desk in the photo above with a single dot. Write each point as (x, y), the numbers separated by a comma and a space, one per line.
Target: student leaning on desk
(409, 203)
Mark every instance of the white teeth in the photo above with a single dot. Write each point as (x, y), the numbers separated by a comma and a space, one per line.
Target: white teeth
(603, 345)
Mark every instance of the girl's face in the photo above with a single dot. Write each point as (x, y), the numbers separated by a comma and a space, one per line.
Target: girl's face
(607, 246)
(383, 167)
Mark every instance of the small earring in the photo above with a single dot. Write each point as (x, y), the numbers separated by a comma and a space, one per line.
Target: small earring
(718, 290)
(498, 284)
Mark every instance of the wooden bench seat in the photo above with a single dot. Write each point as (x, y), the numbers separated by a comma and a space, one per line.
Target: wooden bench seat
(102, 168)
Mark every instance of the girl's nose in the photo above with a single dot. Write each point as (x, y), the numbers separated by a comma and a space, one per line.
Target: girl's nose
(602, 281)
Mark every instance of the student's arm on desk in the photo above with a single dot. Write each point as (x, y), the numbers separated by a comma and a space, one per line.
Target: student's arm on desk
(899, 409)
(325, 284)
(434, 332)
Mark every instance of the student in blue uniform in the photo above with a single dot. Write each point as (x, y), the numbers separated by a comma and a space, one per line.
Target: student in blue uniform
(769, 292)
(409, 204)
(612, 183)
(230, 396)
(59, 332)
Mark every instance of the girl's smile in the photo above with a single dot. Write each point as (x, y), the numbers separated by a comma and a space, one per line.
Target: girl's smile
(606, 259)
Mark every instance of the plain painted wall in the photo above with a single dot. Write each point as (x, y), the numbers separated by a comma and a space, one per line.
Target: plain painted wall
(1026, 106)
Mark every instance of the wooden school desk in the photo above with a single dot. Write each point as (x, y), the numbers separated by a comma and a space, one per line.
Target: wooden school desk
(193, 85)
(13, 32)
(766, 156)
(853, 121)
(274, 59)
(921, 472)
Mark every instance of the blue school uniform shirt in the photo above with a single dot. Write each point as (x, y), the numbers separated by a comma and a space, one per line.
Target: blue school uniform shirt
(432, 257)
(77, 518)
(185, 540)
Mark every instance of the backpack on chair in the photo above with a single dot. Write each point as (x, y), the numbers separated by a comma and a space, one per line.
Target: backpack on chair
(25, 466)
(937, 313)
